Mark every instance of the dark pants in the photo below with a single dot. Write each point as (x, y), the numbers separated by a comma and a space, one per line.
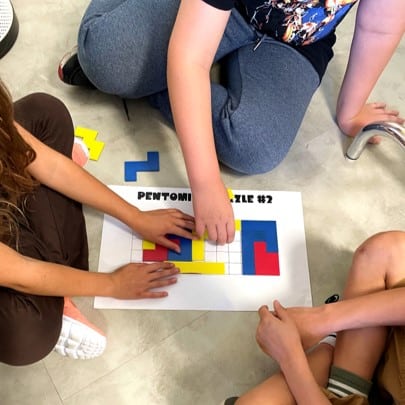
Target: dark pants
(29, 324)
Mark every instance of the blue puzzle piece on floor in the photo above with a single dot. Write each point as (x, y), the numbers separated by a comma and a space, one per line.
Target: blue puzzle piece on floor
(150, 165)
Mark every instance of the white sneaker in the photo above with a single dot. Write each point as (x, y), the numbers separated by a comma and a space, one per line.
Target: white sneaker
(79, 338)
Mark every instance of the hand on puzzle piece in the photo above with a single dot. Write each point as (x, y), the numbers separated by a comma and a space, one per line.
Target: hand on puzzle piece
(277, 334)
(372, 112)
(213, 212)
(136, 280)
(155, 225)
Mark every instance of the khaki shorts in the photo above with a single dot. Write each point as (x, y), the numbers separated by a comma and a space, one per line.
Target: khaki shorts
(391, 372)
(349, 400)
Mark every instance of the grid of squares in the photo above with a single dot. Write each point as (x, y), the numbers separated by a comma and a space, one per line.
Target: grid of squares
(229, 254)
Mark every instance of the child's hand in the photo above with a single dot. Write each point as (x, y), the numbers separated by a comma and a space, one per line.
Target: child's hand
(370, 113)
(213, 212)
(277, 334)
(311, 323)
(136, 280)
(155, 225)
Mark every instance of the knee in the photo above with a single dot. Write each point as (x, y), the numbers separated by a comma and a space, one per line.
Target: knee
(26, 347)
(43, 105)
(381, 257)
(29, 332)
(46, 102)
(383, 246)
(48, 119)
(116, 70)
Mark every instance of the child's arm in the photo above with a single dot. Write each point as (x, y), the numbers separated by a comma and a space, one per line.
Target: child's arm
(193, 44)
(379, 28)
(63, 175)
(41, 278)
(278, 337)
(354, 313)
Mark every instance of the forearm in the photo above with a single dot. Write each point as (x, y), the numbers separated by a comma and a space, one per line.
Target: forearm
(301, 381)
(78, 184)
(41, 278)
(57, 280)
(372, 47)
(193, 44)
(384, 308)
(190, 97)
(63, 175)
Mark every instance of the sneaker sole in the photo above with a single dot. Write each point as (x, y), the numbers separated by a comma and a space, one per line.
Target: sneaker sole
(79, 341)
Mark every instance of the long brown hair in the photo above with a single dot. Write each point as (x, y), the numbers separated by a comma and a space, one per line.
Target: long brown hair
(15, 181)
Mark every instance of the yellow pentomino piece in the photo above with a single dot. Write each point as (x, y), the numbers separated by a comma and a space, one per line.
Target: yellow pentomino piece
(89, 138)
(197, 250)
(146, 245)
(230, 194)
(200, 267)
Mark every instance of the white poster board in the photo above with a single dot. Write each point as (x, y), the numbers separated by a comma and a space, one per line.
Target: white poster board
(270, 237)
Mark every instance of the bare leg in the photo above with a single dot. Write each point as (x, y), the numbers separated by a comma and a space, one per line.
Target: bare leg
(275, 390)
(377, 265)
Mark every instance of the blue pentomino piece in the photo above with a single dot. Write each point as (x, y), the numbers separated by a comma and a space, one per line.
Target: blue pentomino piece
(186, 250)
(150, 165)
(257, 231)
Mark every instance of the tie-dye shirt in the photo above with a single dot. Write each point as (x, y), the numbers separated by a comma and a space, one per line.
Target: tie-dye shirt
(300, 23)
(297, 22)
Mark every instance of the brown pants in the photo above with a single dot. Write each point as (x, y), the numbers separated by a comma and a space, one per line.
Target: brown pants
(29, 324)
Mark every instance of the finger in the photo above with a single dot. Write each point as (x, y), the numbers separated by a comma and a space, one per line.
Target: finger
(167, 243)
(180, 214)
(280, 310)
(186, 217)
(200, 228)
(212, 233)
(263, 312)
(163, 274)
(392, 113)
(186, 224)
(153, 294)
(394, 118)
(379, 105)
(158, 275)
(184, 230)
(230, 230)
(222, 235)
(158, 266)
(186, 234)
(375, 140)
(162, 283)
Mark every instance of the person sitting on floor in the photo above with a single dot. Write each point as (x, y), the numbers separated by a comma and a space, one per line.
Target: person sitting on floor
(43, 240)
(370, 343)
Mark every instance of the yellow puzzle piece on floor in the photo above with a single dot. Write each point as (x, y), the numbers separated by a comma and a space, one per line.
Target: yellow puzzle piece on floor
(89, 138)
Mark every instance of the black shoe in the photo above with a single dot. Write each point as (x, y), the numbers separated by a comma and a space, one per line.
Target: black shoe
(333, 298)
(230, 401)
(70, 71)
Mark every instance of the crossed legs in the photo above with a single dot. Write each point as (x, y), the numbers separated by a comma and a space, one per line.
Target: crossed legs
(29, 324)
(377, 265)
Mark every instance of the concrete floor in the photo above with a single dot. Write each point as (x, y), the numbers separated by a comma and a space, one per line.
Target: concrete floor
(163, 357)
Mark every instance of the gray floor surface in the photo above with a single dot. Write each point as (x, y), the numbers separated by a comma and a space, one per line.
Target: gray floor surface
(175, 357)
